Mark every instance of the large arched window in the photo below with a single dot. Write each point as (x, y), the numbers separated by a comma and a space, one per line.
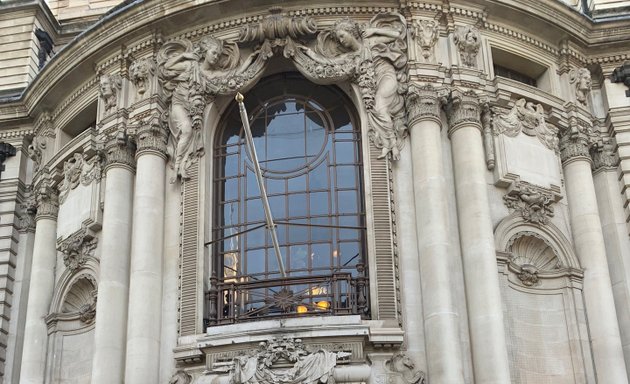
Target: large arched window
(308, 145)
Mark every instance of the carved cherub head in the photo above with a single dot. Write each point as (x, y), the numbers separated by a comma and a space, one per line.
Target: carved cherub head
(347, 33)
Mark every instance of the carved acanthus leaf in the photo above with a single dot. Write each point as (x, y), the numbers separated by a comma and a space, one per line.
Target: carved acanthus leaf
(578, 140)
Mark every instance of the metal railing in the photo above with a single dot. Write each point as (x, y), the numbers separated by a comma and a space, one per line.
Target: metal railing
(244, 298)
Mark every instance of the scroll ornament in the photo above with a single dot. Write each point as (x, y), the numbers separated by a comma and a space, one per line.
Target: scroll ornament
(528, 118)
(304, 367)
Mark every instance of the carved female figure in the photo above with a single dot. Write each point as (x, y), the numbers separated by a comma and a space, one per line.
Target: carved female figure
(190, 75)
(378, 50)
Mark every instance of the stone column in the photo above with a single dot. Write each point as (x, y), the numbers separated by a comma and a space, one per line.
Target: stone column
(42, 283)
(610, 205)
(145, 291)
(110, 332)
(442, 342)
(483, 295)
(589, 245)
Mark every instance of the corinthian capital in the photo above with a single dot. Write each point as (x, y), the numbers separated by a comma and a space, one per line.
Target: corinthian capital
(47, 199)
(463, 109)
(577, 140)
(120, 152)
(423, 103)
(152, 136)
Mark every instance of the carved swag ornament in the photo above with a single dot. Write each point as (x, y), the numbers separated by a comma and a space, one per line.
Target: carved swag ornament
(371, 55)
(532, 203)
(299, 366)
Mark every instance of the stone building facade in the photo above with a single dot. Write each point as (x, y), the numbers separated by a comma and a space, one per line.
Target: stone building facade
(448, 179)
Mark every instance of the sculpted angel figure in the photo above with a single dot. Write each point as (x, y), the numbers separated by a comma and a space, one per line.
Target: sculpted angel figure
(189, 75)
(378, 51)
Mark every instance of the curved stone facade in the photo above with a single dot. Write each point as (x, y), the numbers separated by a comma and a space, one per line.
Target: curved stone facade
(464, 220)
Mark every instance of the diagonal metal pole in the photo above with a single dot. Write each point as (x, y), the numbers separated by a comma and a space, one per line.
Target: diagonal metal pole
(261, 184)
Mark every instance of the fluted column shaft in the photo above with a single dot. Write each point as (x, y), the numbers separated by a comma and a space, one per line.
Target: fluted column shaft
(442, 343)
(485, 313)
(145, 292)
(590, 248)
(110, 333)
(41, 287)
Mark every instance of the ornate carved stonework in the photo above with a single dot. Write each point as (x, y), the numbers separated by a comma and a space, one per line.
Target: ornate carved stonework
(423, 102)
(461, 108)
(120, 151)
(79, 170)
(108, 89)
(404, 369)
(530, 254)
(76, 249)
(533, 203)
(43, 129)
(467, 40)
(488, 136)
(180, 377)
(426, 33)
(528, 118)
(26, 221)
(604, 156)
(577, 140)
(47, 202)
(305, 367)
(139, 73)
(152, 136)
(87, 312)
(582, 80)
(278, 26)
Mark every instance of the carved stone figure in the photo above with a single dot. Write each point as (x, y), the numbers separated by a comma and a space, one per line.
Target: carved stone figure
(139, 73)
(426, 34)
(180, 377)
(29, 209)
(533, 204)
(109, 87)
(529, 118)
(582, 80)
(71, 175)
(402, 364)
(467, 40)
(76, 249)
(375, 55)
(306, 367)
(190, 76)
(35, 149)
